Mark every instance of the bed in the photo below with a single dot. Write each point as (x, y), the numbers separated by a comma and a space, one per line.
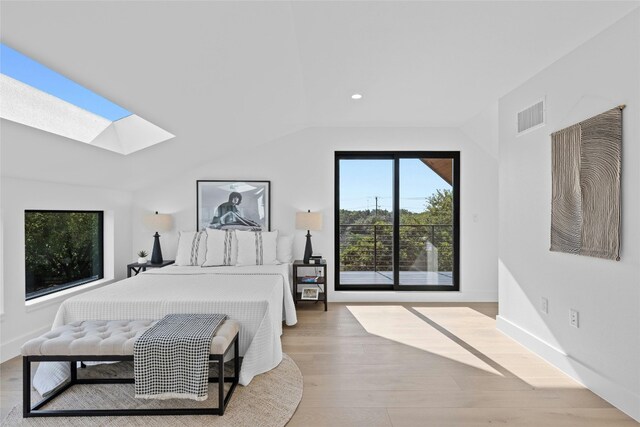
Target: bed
(259, 297)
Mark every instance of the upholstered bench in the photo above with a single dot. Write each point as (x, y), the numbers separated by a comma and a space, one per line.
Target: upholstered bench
(112, 341)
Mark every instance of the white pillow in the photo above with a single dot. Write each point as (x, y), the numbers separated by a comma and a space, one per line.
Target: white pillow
(284, 251)
(257, 247)
(222, 248)
(192, 248)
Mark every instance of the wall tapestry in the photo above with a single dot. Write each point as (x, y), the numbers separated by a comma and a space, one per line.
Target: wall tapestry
(585, 176)
(240, 205)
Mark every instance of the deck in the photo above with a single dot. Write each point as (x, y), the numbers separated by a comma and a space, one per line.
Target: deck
(409, 278)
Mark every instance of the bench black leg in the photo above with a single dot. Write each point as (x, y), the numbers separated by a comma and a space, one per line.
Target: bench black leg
(27, 409)
(236, 362)
(235, 379)
(221, 384)
(26, 386)
(73, 367)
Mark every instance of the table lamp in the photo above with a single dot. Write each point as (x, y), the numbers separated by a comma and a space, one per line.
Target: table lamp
(308, 221)
(158, 222)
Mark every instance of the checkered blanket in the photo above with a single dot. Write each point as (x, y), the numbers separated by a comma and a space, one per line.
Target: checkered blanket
(171, 359)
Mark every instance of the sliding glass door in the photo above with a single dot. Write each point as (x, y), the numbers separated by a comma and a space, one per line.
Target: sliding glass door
(397, 225)
(365, 225)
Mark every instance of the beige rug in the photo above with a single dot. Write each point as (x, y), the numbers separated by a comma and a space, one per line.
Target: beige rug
(270, 400)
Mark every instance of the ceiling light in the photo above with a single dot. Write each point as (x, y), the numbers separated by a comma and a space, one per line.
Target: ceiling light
(356, 96)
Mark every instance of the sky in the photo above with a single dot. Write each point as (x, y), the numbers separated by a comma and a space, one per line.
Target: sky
(362, 180)
(20, 67)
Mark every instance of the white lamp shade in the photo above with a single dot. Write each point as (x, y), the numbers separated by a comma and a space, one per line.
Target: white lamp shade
(308, 220)
(158, 222)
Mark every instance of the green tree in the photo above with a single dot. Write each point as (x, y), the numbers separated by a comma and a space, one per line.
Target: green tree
(61, 247)
(439, 213)
(439, 207)
(362, 249)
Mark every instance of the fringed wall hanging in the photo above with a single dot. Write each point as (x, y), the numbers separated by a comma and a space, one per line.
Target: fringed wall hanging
(585, 175)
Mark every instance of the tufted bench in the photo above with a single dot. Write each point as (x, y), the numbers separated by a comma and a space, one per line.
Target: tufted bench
(112, 341)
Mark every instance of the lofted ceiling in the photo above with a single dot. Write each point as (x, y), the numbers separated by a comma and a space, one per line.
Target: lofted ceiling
(223, 75)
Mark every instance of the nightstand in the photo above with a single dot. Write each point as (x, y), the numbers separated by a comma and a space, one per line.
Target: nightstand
(137, 268)
(312, 275)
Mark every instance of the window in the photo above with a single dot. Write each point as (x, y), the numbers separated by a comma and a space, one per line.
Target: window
(63, 249)
(44, 99)
(397, 220)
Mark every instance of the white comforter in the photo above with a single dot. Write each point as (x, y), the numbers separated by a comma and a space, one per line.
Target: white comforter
(259, 297)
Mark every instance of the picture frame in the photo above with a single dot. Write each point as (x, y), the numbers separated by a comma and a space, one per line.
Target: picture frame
(233, 204)
(310, 293)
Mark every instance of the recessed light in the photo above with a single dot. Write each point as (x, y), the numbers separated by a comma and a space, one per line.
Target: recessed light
(356, 96)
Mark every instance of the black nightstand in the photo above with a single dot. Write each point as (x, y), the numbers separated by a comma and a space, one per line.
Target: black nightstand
(320, 282)
(137, 268)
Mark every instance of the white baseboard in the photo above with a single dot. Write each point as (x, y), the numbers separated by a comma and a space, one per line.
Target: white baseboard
(407, 296)
(11, 349)
(620, 397)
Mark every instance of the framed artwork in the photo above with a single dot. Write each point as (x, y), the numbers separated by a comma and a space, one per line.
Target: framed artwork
(585, 194)
(310, 293)
(239, 205)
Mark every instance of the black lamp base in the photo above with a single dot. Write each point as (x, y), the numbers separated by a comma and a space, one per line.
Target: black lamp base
(308, 251)
(156, 255)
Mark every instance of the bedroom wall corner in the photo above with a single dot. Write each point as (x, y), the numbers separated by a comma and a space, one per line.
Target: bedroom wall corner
(21, 322)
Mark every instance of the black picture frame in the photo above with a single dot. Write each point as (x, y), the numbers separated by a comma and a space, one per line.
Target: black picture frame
(216, 206)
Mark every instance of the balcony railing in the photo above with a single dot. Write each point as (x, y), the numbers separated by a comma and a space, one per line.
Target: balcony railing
(369, 247)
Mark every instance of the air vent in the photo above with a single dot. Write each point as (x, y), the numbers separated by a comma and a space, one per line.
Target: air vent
(531, 118)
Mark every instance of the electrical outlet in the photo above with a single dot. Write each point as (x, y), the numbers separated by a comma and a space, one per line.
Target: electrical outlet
(544, 305)
(574, 318)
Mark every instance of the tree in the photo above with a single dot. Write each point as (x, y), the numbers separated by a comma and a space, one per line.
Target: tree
(439, 207)
(61, 247)
(366, 238)
(439, 212)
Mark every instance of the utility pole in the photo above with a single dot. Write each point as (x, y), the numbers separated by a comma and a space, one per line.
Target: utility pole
(376, 206)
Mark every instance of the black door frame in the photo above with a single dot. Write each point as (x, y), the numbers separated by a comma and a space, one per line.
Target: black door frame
(396, 156)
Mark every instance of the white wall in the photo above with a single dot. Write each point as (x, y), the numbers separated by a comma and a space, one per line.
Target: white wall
(604, 352)
(301, 170)
(19, 321)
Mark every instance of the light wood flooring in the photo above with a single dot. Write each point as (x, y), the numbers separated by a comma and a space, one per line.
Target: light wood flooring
(429, 365)
(415, 365)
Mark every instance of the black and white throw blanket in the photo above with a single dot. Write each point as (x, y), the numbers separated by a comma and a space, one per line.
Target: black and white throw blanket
(171, 359)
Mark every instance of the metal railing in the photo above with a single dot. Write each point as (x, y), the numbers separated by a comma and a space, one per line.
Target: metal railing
(369, 247)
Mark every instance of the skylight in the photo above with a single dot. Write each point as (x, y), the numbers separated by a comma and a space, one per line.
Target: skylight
(22, 68)
(37, 96)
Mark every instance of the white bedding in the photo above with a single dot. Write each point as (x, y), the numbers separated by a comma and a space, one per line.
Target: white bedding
(259, 297)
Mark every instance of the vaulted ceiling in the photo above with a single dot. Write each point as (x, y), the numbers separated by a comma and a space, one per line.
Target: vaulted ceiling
(220, 75)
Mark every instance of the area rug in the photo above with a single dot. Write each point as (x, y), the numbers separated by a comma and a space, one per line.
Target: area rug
(269, 400)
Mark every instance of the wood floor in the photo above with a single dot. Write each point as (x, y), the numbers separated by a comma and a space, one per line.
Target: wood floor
(429, 365)
(416, 365)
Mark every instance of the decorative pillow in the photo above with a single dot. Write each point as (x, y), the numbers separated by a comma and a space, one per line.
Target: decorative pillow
(192, 248)
(222, 248)
(284, 251)
(257, 247)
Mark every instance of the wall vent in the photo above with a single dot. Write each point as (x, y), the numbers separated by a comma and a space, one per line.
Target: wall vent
(531, 118)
